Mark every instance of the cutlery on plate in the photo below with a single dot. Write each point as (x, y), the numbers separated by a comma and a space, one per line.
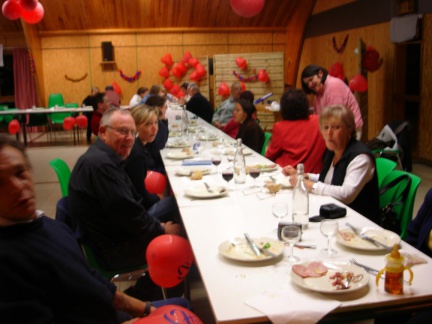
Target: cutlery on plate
(252, 244)
(209, 190)
(371, 270)
(360, 233)
(301, 246)
(267, 252)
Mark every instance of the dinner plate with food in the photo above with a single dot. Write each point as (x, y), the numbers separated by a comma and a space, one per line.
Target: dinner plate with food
(180, 155)
(201, 191)
(189, 171)
(263, 167)
(348, 238)
(178, 143)
(239, 249)
(335, 277)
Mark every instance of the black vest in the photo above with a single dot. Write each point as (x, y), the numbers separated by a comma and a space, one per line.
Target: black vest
(367, 201)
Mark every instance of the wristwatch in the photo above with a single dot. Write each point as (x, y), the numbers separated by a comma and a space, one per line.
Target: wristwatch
(147, 309)
(314, 186)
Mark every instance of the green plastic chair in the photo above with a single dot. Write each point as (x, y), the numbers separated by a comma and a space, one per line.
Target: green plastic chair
(404, 210)
(63, 173)
(384, 166)
(56, 99)
(72, 105)
(267, 138)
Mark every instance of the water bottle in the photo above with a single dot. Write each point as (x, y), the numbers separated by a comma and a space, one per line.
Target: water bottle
(184, 122)
(300, 199)
(239, 164)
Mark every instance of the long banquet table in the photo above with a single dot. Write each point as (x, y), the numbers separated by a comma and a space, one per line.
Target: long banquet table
(209, 222)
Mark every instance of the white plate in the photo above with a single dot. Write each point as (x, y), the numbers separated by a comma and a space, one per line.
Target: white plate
(193, 122)
(208, 138)
(238, 249)
(324, 283)
(177, 144)
(179, 155)
(263, 167)
(200, 191)
(356, 242)
(187, 171)
(282, 180)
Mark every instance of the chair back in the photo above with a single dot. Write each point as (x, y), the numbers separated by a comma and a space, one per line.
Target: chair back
(55, 99)
(407, 215)
(267, 137)
(155, 182)
(72, 105)
(63, 173)
(384, 166)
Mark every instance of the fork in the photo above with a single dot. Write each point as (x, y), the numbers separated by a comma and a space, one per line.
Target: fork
(210, 190)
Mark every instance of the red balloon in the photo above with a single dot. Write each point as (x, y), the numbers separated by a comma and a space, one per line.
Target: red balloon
(247, 8)
(263, 76)
(187, 56)
(358, 83)
(170, 314)
(81, 121)
(167, 60)
(176, 72)
(200, 70)
(12, 9)
(175, 89)
(34, 16)
(194, 76)
(193, 62)
(169, 259)
(68, 123)
(13, 127)
(155, 182)
(28, 5)
(243, 87)
(180, 94)
(371, 59)
(164, 72)
(223, 89)
(182, 68)
(336, 70)
(241, 62)
(168, 84)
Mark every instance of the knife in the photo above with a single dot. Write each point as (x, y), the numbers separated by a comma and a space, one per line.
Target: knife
(252, 244)
(367, 238)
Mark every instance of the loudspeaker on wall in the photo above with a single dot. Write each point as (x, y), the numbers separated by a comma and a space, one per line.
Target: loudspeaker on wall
(107, 51)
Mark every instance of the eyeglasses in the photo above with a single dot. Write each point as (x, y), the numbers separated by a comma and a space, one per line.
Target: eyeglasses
(123, 131)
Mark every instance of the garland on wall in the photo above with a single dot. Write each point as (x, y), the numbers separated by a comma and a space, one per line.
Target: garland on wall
(130, 79)
(244, 79)
(75, 80)
(342, 47)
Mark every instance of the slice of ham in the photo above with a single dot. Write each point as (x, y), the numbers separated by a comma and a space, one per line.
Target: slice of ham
(313, 269)
(347, 236)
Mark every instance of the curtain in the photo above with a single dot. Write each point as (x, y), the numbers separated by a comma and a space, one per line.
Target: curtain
(24, 81)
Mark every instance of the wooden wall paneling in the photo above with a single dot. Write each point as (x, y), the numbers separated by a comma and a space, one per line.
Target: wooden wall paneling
(323, 5)
(425, 123)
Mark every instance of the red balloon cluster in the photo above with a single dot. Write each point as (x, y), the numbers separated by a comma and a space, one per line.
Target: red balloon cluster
(81, 121)
(223, 89)
(179, 70)
(170, 314)
(31, 11)
(175, 90)
(358, 83)
(13, 127)
(241, 63)
(247, 8)
(263, 76)
(336, 70)
(186, 57)
(68, 123)
(169, 259)
(167, 60)
(371, 59)
(164, 72)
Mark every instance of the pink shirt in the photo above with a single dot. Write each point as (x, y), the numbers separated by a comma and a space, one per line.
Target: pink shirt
(337, 92)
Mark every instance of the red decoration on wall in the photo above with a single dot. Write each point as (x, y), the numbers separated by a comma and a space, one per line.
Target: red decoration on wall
(244, 79)
(75, 80)
(263, 76)
(371, 59)
(342, 47)
(223, 89)
(241, 62)
(132, 78)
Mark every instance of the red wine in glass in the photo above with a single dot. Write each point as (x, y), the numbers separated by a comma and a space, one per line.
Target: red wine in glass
(254, 173)
(227, 175)
(216, 161)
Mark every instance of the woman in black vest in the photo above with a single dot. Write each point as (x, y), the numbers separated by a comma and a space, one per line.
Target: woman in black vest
(349, 172)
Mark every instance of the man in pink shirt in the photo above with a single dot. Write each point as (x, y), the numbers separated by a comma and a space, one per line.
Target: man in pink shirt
(328, 91)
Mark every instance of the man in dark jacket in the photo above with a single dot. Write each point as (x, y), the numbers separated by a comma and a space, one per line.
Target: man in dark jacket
(199, 105)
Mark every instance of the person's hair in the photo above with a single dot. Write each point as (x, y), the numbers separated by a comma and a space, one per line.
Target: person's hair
(107, 115)
(344, 114)
(109, 87)
(194, 88)
(143, 112)
(94, 89)
(99, 97)
(236, 85)
(294, 105)
(155, 101)
(247, 95)
(6, 140)
(248, 107)
(309, 71)
(184, 85)
(142, 90)
(156, 88)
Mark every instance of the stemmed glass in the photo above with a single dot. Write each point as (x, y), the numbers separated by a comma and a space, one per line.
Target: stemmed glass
(329, 228)
(280, 210)
(216, 160)
(290, 234)
(227, 175)
(254, 173)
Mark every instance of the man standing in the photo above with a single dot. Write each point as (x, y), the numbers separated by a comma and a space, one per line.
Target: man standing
(225, 112)
(90, 100)
(199, 105)
(103, 199)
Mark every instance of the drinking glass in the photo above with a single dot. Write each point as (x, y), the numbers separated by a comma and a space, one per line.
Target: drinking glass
(280, 210)
(254, 173)
(290, 234)
(216, 160)
(228, 175)
(329, 228)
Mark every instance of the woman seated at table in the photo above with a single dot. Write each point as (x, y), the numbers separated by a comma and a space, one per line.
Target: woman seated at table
(249, 131)
(137, 97)
(297, 138)
(232, 127)
(419, 232)
(154, 161)
(146, 120)
(349, 172)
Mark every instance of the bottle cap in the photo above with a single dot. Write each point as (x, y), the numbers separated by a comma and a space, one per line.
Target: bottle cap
(395, 255)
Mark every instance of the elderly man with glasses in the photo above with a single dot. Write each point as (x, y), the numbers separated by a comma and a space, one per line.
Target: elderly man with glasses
(102, 198)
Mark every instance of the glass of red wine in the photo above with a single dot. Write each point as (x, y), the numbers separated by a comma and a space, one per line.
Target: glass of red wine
(254, 173)
(227, 175)
(216, 160)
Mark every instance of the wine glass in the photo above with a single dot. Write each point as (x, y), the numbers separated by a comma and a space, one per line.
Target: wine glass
(227, 175)
(329, 228)
(290, 234)
(280, 210)
(254, 173)
(216, 160)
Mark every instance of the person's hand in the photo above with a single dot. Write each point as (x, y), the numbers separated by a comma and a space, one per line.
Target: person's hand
(289, 170)
(133, 320)
(217, 124)
(222, 125)
(171, 228)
